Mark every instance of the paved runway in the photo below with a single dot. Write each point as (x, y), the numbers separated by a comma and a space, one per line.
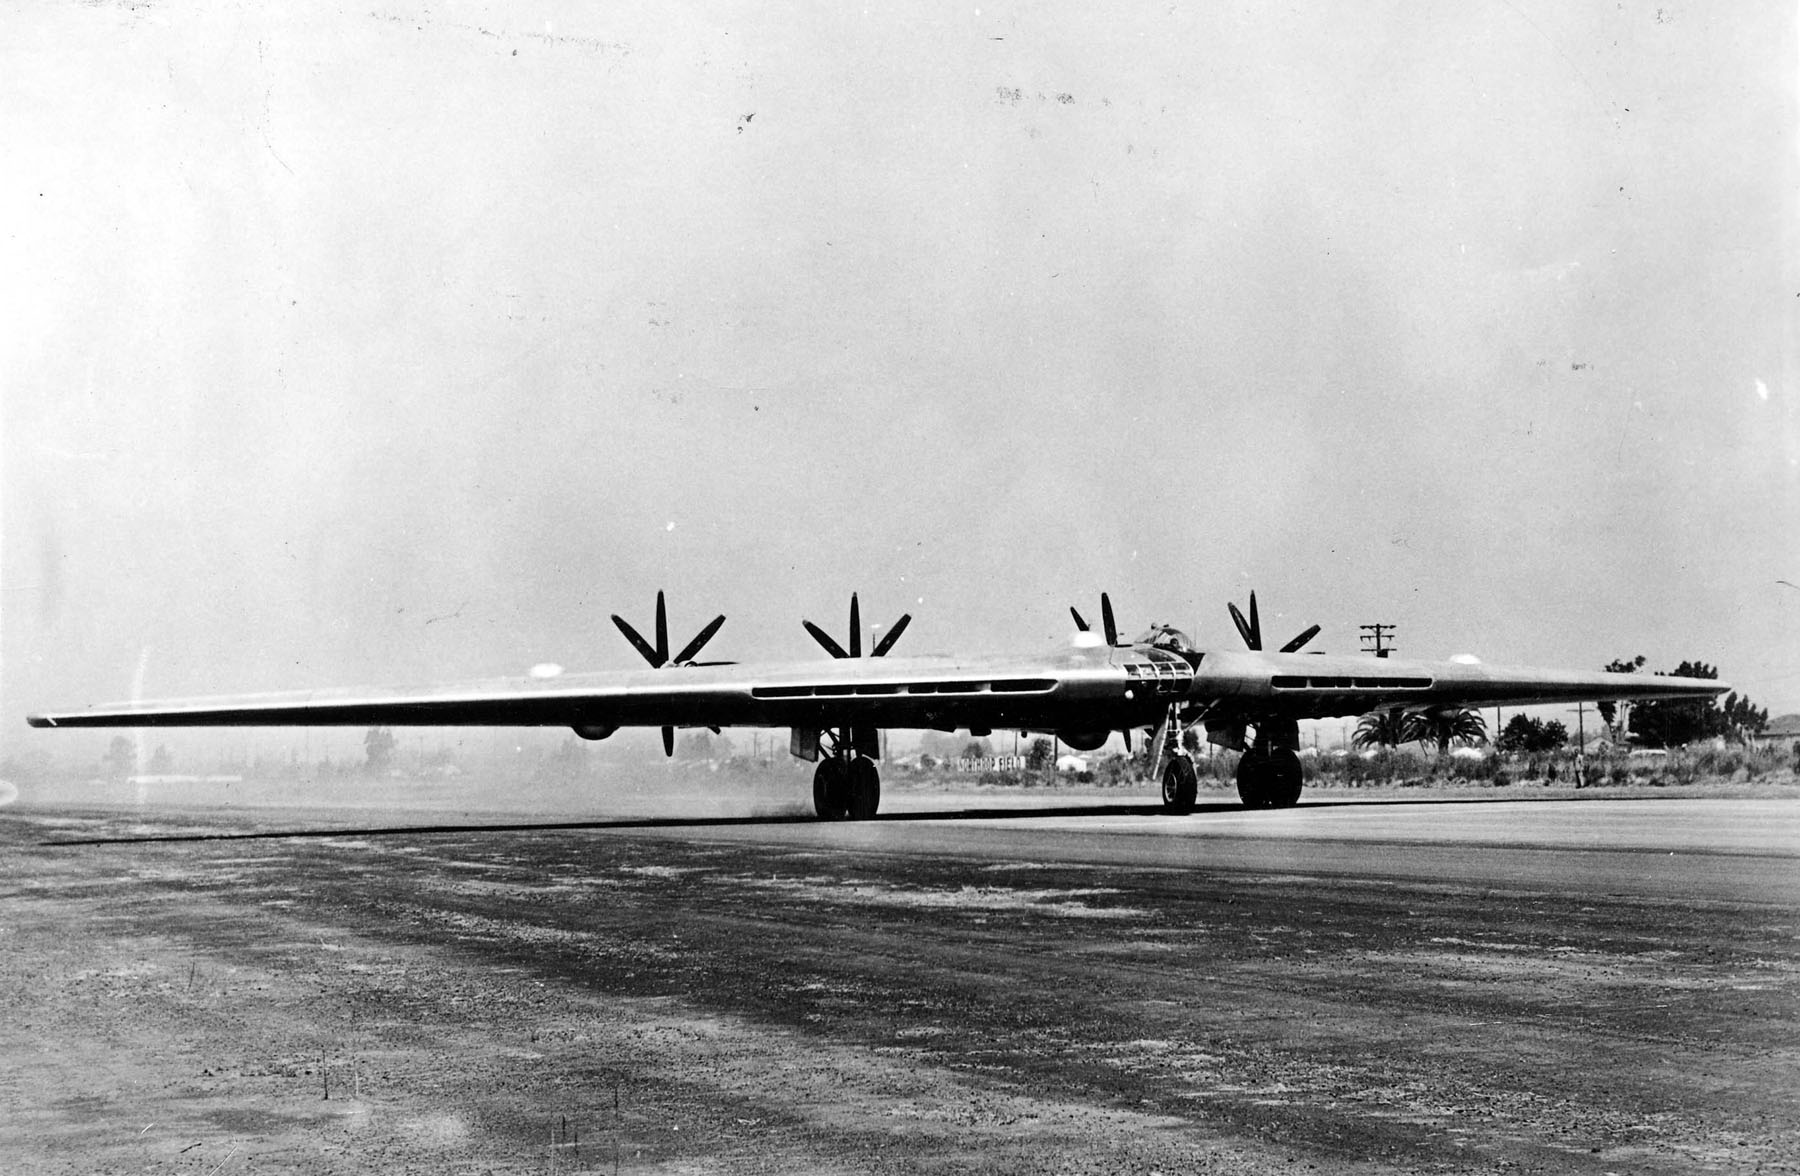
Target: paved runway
(1576, 985)
(1698, 848)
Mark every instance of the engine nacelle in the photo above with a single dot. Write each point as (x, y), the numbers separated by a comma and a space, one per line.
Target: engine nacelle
(593, 732)
(1084, 740)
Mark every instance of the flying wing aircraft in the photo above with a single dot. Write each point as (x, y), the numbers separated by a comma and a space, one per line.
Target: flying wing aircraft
(1248, 700)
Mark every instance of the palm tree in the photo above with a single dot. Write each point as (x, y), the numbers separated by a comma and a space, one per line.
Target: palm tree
(1445, 725)
(1382, 728)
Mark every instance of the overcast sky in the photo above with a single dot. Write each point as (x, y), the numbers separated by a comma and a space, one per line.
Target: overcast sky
(405, 342)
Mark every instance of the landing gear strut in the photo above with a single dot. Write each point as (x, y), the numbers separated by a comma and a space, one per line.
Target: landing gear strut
(1269, 777)
(846, 783)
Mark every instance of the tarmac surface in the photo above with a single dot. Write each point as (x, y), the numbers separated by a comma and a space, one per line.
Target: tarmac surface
(1418, 985)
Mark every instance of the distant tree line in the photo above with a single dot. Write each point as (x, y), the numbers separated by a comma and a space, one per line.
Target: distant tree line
(121, 759)
(1674, 722)
(1532, 736)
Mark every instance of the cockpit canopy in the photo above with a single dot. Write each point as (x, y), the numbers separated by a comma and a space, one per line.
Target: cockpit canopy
(1167, 637)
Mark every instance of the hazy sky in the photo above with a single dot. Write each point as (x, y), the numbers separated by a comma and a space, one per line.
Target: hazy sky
(406, 342)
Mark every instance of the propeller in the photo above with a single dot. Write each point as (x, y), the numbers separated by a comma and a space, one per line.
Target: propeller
(1251, 629)
(881, 647)
(1110, 629)
(658, 655)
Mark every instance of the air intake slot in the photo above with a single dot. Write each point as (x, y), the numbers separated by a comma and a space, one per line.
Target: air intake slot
(848, 689)
(1322, 682)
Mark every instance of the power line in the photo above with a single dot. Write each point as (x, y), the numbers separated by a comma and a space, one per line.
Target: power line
(1375, 639)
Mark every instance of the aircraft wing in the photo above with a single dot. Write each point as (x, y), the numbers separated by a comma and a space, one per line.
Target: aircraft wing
(1310, 686)
(889, 692)
(1084, 689)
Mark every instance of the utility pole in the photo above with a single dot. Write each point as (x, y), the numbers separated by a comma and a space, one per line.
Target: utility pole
(1581, 745)
(1581, 725)
(1375, 639)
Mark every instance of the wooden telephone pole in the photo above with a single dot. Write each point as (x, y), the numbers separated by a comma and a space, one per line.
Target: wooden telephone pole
(1375, 639)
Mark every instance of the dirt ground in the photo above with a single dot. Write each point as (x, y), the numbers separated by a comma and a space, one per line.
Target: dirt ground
(596, 1000)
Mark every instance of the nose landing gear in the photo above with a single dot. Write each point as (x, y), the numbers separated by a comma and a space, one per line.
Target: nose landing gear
(1180, 785)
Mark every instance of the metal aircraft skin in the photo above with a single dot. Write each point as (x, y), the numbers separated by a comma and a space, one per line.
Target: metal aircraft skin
(1249, 700)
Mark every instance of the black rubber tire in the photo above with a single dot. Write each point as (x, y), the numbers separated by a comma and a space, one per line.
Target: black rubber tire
(1285, 778)
(1179, 785)
(864, 790)
(1253, 778)
(831, 789)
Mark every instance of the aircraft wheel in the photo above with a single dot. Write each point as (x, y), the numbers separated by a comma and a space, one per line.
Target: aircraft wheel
(831, 785)
(1253, 778)
(1179, 785)
(1285, 778)
(864, 789)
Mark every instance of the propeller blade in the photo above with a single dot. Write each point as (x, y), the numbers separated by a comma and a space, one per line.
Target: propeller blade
(1255, 623)
(855, 628)
(1125, 734)
(693, 647)
(824, 638)
(662, 631)
(1106, 619)
(892, 635)
(668, 741)
(1079, 623)
(1243, 627)
(637, 642)
(1294, 645)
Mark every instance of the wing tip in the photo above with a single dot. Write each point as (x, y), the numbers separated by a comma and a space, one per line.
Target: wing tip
(40, 720)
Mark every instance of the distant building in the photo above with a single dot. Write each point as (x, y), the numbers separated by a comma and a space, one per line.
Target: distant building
(1782, 730)
(1071, 763)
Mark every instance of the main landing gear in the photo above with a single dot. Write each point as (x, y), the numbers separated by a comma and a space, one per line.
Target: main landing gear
(1269, 777)
(844, 787)
(846, 783)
